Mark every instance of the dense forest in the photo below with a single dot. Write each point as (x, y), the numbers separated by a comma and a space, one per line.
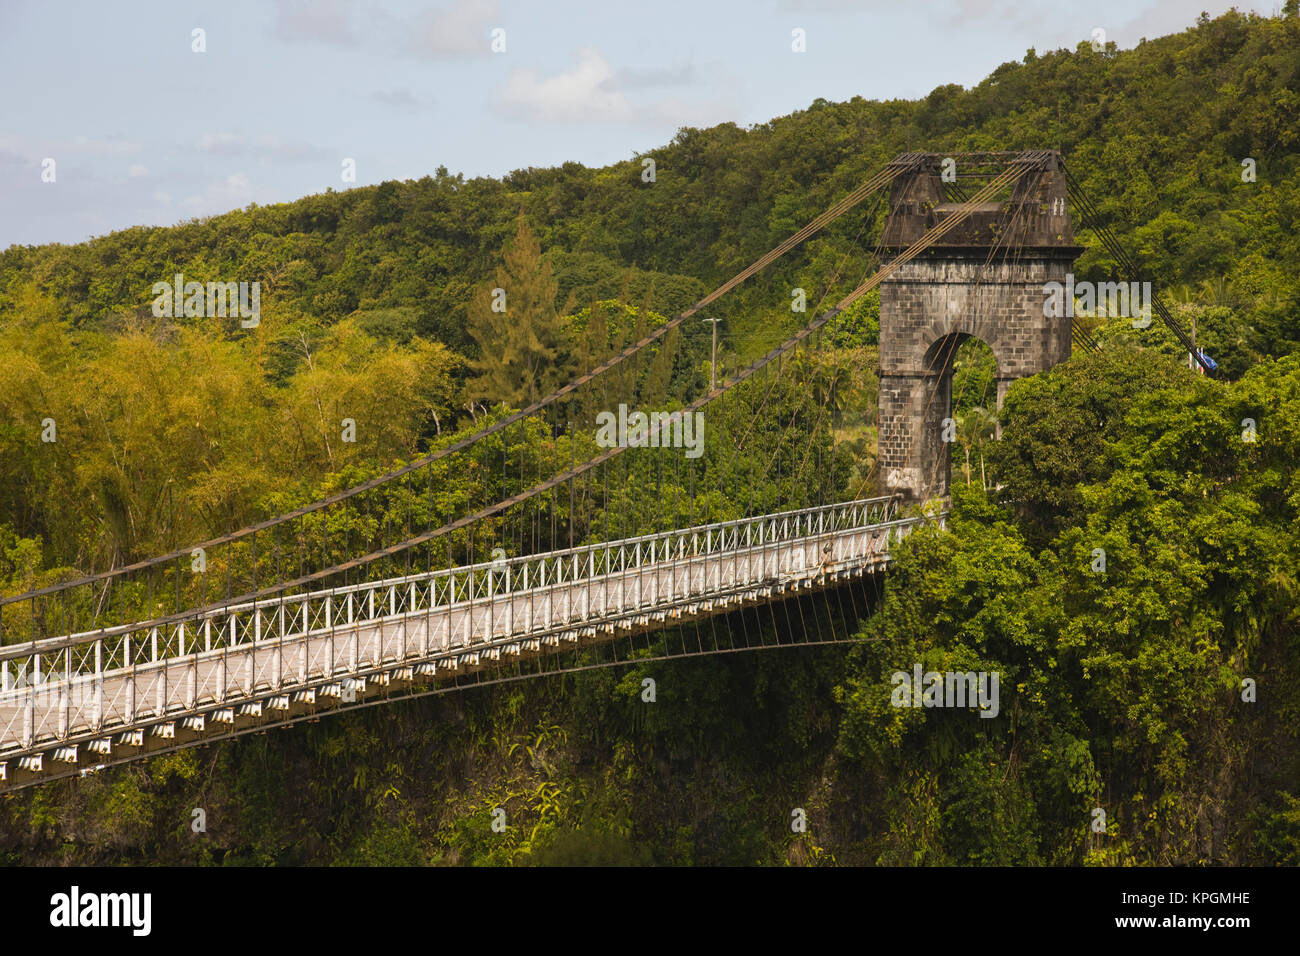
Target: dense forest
(1123, 690)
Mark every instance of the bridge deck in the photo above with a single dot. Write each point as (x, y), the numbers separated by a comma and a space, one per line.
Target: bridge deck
(114, 695)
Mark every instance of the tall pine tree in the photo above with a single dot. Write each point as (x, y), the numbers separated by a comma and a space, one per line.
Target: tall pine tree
(524, 350)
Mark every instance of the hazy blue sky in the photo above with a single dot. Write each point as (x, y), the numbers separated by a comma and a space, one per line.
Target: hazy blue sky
(145, 131)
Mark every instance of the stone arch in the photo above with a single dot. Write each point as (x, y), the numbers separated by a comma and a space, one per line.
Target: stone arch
(937, 396)
(973, 286)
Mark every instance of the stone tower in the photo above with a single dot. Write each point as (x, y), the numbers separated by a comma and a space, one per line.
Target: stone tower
(986, 280)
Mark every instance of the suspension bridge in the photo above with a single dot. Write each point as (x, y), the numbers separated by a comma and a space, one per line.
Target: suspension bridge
(381, 591)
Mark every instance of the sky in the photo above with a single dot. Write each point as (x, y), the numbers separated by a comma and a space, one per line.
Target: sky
(144, 128)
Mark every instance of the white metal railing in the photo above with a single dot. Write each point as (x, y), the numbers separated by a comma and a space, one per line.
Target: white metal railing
(83, 659)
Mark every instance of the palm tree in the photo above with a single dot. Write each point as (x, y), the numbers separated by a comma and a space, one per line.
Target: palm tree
(1216, 292)
(975, 426)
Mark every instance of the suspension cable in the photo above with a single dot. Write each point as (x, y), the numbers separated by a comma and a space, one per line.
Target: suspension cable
(881, 178)
(917, 248)
(1121, 256)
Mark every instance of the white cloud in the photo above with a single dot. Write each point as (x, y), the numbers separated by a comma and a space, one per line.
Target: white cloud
(135, 171)
(459, 30)
(582, 94)
(324, 21)
(593, 92)
(456, 29)
(232, 192)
